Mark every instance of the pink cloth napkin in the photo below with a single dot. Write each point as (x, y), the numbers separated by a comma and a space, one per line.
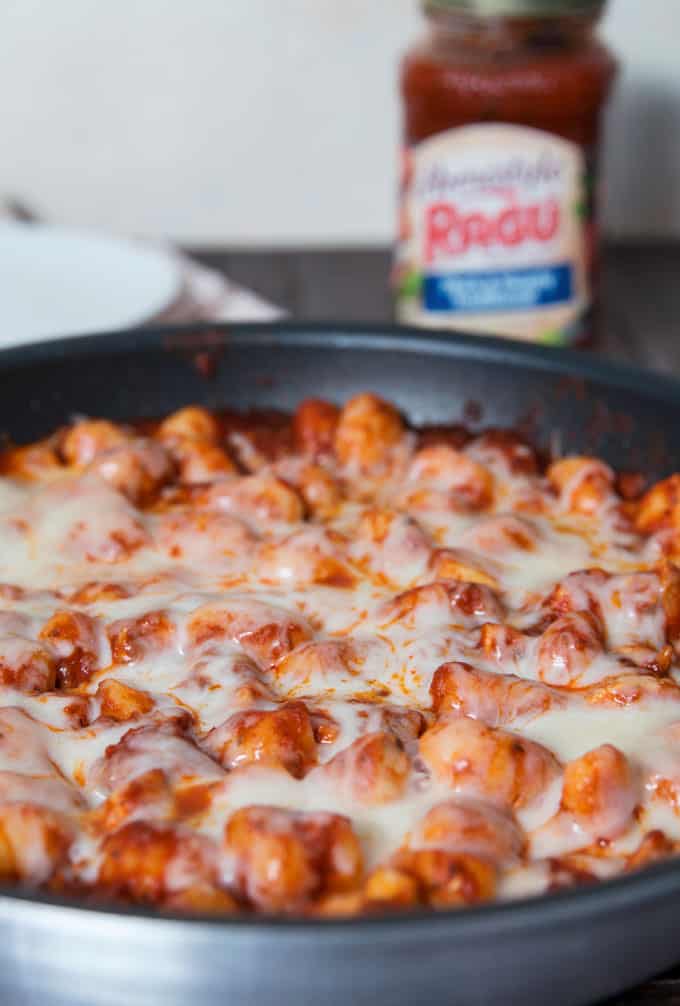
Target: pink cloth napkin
(208, 295)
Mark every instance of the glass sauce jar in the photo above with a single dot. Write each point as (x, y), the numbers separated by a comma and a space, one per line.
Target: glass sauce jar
(498, 196)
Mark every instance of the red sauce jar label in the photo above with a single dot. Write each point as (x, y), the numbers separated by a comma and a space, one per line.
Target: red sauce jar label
(495, 234)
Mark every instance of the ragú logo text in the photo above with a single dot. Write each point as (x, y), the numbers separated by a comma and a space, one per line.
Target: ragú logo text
(450, 232)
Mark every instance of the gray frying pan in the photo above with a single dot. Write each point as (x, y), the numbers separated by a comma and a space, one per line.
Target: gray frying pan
(568, 948)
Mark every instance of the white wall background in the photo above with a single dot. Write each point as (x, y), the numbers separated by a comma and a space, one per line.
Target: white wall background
(270, 121)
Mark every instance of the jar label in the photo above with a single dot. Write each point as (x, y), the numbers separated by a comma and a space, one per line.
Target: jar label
(495, 234)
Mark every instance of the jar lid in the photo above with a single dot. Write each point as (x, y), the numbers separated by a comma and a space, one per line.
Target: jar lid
(517, 8)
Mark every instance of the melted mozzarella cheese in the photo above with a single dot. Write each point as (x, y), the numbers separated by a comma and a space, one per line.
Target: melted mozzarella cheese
(637, 730)
(278, 628)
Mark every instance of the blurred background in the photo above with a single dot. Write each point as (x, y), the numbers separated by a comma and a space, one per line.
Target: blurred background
(273, 122)
(261, 138)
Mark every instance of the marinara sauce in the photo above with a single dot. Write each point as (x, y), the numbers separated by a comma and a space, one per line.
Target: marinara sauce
(503, 102)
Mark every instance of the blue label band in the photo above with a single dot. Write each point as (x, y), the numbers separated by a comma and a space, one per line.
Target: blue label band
(501, 290)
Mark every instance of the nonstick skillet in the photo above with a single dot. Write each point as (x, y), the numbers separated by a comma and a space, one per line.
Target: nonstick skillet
(568, 948)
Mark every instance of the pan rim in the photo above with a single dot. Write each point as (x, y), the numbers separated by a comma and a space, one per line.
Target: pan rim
(201, 336)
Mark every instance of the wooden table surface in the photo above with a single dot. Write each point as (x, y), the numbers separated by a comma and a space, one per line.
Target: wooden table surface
(640, 304)
(640, 292)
